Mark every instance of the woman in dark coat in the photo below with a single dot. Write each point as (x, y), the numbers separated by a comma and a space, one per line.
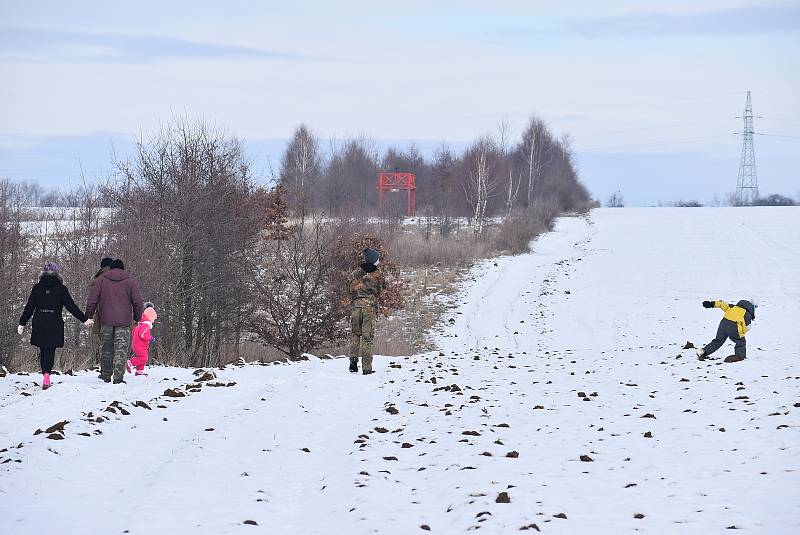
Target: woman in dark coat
(46, 303)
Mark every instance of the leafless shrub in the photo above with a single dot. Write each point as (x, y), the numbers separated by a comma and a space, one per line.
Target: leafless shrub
(775, 200)
(523, 226)
(298, 296)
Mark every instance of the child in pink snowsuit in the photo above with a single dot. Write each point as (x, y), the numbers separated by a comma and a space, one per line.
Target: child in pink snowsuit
(140, 343)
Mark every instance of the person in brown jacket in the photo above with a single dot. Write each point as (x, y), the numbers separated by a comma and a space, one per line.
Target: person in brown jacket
(120, 301)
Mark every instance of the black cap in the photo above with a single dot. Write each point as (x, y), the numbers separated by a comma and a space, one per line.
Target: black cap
(117, 264)
(370, 256)
(106, 262)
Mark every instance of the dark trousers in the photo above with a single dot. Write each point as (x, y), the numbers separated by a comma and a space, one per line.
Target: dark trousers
(728, 329)
(47, 355)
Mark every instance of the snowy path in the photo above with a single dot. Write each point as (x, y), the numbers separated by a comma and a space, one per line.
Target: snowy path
(602, 306)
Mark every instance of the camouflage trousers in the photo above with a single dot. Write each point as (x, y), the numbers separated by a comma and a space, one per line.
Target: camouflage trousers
(362, 325)
(116, 344)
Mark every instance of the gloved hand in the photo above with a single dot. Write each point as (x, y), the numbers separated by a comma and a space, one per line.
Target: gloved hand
(89, 322)
(20, 329)
(708, 304)
(152, 338)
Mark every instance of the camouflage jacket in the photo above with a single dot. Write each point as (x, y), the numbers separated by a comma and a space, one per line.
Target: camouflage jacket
(366, 288)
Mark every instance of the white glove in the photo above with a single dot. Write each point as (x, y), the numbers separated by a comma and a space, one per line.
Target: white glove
(20, 329)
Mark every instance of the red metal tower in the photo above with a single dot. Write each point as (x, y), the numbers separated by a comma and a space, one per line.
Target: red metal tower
(396, 182)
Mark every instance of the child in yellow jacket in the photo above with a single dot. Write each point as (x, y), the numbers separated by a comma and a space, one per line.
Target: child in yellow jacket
(734, 325)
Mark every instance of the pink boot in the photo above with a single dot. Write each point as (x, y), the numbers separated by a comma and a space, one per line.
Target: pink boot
(128, 366)
(46, 381)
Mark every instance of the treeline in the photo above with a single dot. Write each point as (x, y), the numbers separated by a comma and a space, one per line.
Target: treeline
(492, 177)
(233, 265)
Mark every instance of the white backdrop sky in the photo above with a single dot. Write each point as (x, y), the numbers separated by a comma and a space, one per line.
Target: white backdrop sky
(648, 91)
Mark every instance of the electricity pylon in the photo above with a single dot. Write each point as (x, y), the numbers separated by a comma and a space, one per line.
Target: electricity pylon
(747, 184)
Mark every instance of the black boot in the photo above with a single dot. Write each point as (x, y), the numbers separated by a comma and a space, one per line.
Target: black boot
(734, 358)
(353, 365)
(367, 372)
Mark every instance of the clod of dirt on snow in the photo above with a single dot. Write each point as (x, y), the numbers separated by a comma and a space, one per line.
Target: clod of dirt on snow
(204, 375)
(59, 427)
(503, 497)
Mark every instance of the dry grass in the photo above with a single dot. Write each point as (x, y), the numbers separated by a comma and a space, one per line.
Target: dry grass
(406, 331)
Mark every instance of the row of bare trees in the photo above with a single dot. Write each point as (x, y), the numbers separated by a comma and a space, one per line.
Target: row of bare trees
(492, 177)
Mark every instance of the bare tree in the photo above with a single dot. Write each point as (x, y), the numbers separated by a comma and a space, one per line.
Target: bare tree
(481, 181)
(351, 178)
(12, 261)
(534, 149)
(508, 168)
(615, 200)
(443, 175)
(301, 168)
(77, 238)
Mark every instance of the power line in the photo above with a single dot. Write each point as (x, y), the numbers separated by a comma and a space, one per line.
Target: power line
(776, 135)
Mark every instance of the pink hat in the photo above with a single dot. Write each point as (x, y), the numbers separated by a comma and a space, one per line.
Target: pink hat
(149, 314)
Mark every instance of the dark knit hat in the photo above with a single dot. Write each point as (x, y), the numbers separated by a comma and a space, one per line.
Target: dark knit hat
(117, 264)
(106, 262)
(371, 256)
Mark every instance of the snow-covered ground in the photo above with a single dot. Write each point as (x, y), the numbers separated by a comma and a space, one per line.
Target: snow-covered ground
(602, 306)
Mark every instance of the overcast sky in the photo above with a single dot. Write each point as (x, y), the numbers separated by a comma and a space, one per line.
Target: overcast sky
(648, 91)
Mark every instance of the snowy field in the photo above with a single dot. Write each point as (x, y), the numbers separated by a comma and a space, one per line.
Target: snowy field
(561, 388)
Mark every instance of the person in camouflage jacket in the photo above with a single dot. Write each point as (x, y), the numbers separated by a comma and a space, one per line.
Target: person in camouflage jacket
(366, 285)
